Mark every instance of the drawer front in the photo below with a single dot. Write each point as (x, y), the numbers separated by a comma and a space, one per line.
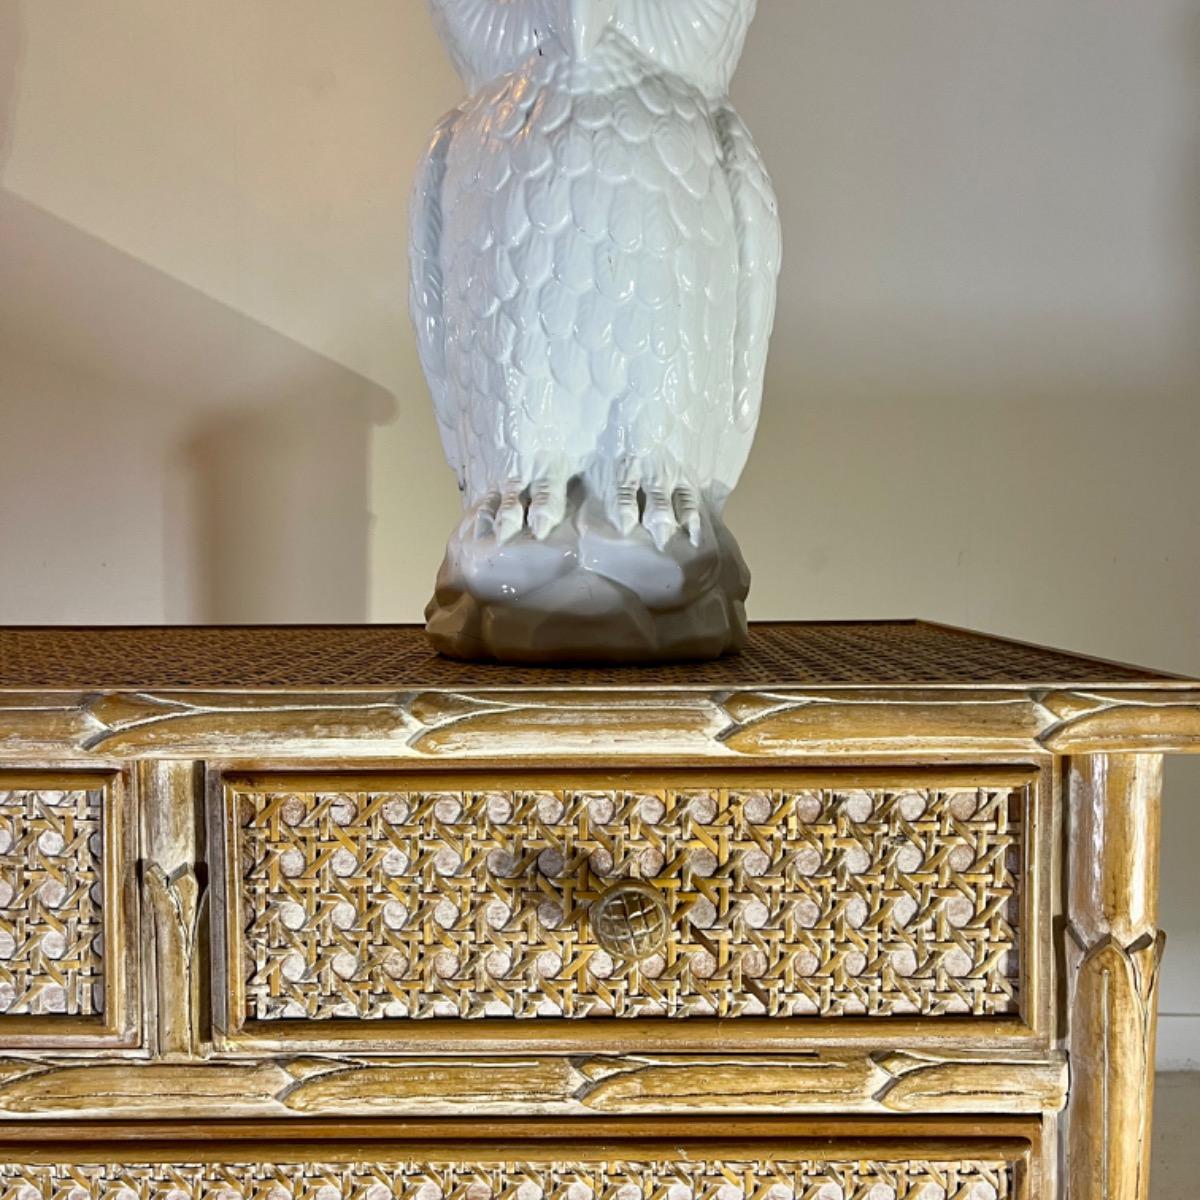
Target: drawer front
(67, 903)
(366, 904)
(983, 1170)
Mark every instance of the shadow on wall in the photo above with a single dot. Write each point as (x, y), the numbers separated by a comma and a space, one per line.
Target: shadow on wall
(278, 492)
(242, 457)
(12, 49)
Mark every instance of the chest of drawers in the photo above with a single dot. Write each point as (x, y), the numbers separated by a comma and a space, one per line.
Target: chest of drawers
(867, 912)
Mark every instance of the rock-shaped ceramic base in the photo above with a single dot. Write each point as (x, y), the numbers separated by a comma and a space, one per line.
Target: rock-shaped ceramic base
(589, 594)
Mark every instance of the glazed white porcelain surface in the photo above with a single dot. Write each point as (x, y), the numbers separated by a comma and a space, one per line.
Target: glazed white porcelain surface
(595, 246)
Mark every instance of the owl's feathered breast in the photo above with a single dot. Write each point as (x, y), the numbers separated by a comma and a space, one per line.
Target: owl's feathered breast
(590, 266)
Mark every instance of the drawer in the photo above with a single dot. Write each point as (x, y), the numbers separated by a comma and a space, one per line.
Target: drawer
(643, 907)
(532, 1167)
(68, 910)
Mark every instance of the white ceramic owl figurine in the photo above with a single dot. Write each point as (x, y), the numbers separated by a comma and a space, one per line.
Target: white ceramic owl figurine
(595, 247)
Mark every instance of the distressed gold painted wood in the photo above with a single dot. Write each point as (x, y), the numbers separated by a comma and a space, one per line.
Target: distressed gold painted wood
(883, 1082)
(684, 724)
(828, 969)
(174, 903)
(1115, 950)
(443, 1132)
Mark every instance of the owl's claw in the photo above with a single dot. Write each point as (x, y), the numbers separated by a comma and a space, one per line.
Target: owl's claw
(659, 516)
(547, 507)
(510, 515)
(626, 509)
(627, 512)
(687, 513)
(642, 498)
(485, 515)
(506, 512)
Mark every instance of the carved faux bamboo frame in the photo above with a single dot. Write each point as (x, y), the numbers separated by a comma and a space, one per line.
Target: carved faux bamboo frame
(657, 725)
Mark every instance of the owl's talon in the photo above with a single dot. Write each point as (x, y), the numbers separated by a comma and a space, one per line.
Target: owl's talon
(628, 513)
(645, 493)
(659, 518)
(625, 509)
(506, 511)
(485, 515)
(687, 513)
(547, 508)
(510, 516)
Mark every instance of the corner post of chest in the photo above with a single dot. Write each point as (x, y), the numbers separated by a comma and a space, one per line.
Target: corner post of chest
(1113, 954)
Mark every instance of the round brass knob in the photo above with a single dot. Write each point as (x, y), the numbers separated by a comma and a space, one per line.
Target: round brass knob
(630, 919)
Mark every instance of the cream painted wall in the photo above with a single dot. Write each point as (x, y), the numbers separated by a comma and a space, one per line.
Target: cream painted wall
(984, 399)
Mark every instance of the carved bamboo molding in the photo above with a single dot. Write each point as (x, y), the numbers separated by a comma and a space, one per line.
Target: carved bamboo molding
(508, 724)
(330, 1086)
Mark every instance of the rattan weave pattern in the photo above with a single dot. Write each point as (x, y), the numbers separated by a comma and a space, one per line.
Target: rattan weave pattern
(297, 657)
(780, 902)
(51, 951)
(765, 1179)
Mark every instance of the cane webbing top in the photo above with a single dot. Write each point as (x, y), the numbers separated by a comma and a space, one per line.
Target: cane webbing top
(296, 657)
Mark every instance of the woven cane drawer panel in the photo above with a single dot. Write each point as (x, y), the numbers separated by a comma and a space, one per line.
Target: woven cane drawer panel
(765, 1177)
(63, 907)
(786, 895)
